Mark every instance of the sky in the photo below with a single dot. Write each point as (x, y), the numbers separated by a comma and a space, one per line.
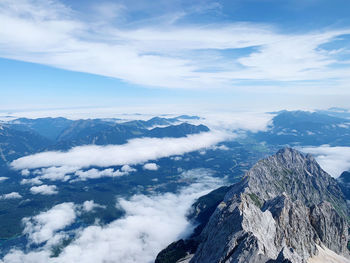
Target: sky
(166, 55)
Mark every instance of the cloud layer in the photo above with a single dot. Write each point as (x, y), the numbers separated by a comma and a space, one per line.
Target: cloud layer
(150, 223)
(333, 160)
(248, 121)
(134, 152)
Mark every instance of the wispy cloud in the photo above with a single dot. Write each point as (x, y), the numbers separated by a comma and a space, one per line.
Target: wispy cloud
(167, 55)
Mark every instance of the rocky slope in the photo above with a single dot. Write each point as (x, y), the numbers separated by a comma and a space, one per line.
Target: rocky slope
(344, 183)
(285, 209)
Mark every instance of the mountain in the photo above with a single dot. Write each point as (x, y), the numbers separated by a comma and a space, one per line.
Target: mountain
(344, 182)
(306, 128)
(92, 131)
(188, 117)
(151, 123)
(180, 130)
(102, 133)
(16, 143)
(285, 209)
(34, 135)
(49, 128)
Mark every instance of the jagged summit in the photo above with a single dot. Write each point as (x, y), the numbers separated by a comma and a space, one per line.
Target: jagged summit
(299, 175)
(285, 209)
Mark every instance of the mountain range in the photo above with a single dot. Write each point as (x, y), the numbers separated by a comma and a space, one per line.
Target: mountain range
(306, 128)
(24, 136)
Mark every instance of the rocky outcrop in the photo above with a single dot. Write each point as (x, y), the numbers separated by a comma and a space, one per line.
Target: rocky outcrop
(344, 183)
(330, 227)
(284, 209)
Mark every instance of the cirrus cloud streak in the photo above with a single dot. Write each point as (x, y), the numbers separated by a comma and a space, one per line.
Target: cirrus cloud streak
(168, 55)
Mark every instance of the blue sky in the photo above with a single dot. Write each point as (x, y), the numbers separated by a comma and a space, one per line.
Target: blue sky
(234, 54)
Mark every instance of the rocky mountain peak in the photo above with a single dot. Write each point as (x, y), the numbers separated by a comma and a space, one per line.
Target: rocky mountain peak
(285, 209)
(296, 174)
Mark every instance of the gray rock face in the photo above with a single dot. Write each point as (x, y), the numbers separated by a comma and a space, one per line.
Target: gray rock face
(330, 227)
(282, 209)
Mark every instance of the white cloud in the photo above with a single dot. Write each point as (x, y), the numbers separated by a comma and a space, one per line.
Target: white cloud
(150, 223)
(64, 173)
(197, 174)
(55, 173)
(44, 189)
(13, 195)
(44, 226)
(221, 147)
(135, 151)
(32, 181)
(151, 166)
(25, 172)
(333, 160)
(90, 205)
(2, 178)
(127, 169)
(250, 121)
(163, 54)
(95, 173)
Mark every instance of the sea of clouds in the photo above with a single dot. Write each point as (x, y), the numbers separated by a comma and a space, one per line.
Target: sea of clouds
(150, 223)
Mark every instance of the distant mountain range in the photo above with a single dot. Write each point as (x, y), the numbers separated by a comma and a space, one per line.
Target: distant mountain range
(306, 128)
(26, 136)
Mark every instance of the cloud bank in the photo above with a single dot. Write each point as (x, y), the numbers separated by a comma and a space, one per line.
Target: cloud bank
(333, 160)
(150, 223)
(235, 121)
(134, 152)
